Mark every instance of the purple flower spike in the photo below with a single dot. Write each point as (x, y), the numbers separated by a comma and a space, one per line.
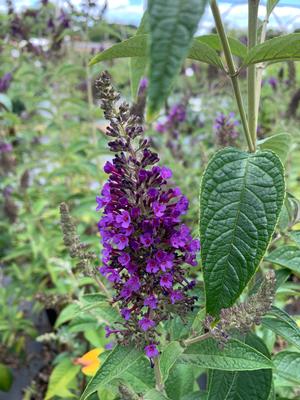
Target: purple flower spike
(146, 247)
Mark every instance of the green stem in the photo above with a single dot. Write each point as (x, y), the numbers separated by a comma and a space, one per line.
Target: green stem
(252, 39)
(232, 71)
(196, 339)
(260, 67)
(158, 376)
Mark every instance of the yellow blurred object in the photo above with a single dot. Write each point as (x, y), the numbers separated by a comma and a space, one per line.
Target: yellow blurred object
(89, 361)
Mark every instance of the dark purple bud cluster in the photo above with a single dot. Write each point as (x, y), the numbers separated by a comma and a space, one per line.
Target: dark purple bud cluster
(225, 129)
(145, 245)
(242, 317)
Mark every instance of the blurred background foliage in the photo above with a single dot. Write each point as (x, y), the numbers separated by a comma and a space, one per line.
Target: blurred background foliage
(52, 149)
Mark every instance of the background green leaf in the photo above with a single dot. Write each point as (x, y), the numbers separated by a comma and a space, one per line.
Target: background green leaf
(281, 48)
(240, 200)
(6, 378)
(62, 379)
(280, 144)
(286, 256)
(283, 325)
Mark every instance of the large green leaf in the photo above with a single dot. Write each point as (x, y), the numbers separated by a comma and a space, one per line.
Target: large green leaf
(286, 256)
(172, 24)
(168, 358)
(240, 200)
(136, 46)
(115, 365)
(279, 143)
(283, 325)
(236, 356)
(246, 385)
(213, 40)
(62, 380)
(282, 48)
(287, 365)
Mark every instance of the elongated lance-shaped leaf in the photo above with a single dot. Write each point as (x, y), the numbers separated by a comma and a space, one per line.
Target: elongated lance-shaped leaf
(136, 47)
(240, 200)
(246, 385)
(118, 362)
(172, 24)
(286, 256)
(280, 144)
(282, 48)
(283, 325)
(237, 48)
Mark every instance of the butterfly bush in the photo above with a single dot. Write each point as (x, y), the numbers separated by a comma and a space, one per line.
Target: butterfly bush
(146, 247)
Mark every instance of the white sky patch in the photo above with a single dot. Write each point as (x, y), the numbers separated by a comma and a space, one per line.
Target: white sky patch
(122, 11)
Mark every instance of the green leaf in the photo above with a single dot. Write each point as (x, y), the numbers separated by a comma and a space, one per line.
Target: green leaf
(136, 46)
(139, 377)
(286, 256)
(153, 394)
(295, 235)
(246, 385)
(290, 213)
(237, 48)
(240, 200)
(172, 24)
(282, 48)
(5, 102)
(180, 381)
(279, 143)
(6, 378)
(283, 325)
(287, 365)
(168, 358)
(236, 356)
(115, 365)
(68, 313)
(270, 6)
(62, 380)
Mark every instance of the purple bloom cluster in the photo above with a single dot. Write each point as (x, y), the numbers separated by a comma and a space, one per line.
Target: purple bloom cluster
(176, 115)
(5, 82)
(225, 129)
(145, 244)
